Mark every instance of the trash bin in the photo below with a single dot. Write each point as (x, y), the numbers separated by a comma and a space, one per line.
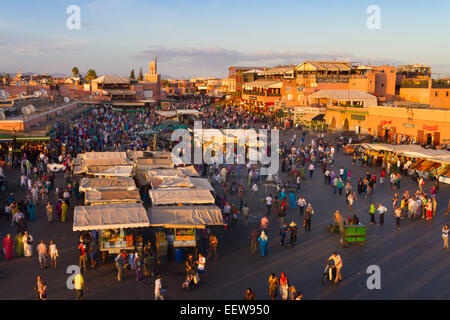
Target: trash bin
(179, 255)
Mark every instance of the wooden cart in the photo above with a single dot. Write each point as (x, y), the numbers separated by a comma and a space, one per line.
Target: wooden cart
(354, 235)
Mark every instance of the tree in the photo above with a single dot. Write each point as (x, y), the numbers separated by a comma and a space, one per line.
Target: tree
(91, 75)
(141, 77)
(132, 74)
(75, 72)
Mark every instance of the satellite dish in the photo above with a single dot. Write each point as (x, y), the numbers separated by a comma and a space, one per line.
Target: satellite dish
(37, 94)
(2, 115)
(4, 94)
(21, 95)
(90, 96)
(96, 93)
(66, 99)
(31, 107)
(43, 92)
(26, 112)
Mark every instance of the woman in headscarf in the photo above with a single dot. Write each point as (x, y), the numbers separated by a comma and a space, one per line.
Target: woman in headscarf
(58, 210)
(19, 244)
(283, 194)
(8, 245)
(31, 210)
(27, 240)
(284, 286)
(64, 209)
(273, 286)
(292, 200)
(263, 240)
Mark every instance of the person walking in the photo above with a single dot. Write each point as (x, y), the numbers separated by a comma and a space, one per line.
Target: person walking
(445, 236)
(82, 258)
(311, 170)
(381, 211)
(254, 240)
(159, 288)
(301, 205)
(49, 210)
(269, 203)
(284, 286)
(201, 265)
(398, 216)
(19, 244)
(307, 217)
(64, 209)
(8, 245)
(264, 223)
(213, 243)
(273, 286)
(138, 266)
(283, 233)
(53, 251)
(27, 240)
(249, 295)
(293, 234)
(42, 254)
(245, 214)
(120, 262)
(263, 241)
(79, 285)
(372, 213)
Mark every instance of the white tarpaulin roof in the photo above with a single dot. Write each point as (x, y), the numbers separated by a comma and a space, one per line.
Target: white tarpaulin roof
(92, 184)
(188, 111)
(180, 196)
(110, 216)
(165, 173)
(150, 163)
(171, 182)
(167, 114)
(115, 195)
(106, 162)
(189, 171)
(185, 216)
(201, 183)
(104, 155)
(148, 154)
(111, 171)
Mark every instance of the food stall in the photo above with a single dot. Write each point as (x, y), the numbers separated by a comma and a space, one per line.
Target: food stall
(180, 224)
(119, 225)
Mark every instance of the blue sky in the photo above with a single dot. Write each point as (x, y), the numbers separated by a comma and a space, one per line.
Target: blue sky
(202, 38)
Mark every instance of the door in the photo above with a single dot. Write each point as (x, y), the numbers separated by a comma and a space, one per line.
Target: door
(379, 131)
(437, 138)
(420, 137)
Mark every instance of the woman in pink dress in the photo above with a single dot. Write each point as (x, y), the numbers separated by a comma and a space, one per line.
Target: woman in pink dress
(8, 244)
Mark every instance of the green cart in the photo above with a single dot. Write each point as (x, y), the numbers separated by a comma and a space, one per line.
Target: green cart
(354, 235)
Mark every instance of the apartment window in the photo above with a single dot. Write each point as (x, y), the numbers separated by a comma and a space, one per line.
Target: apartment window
(435, 94)
(446, 94)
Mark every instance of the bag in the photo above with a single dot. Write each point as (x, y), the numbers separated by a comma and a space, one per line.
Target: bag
(196, 278)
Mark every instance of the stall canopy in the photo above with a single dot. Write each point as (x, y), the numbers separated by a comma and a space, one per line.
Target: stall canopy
(104, 155)
(110, 216)
(165, 173)
(106, 162)
(411, 150)
(92, 184)
(154, 163)
(180, 196)
(171, 182)
(185, 216)
(133, 155)
(201, 183)
(189, 171)
(110, 171)
(115, 195)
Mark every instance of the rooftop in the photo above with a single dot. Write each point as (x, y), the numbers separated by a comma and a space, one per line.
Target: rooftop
(342, 95)
(112, 79)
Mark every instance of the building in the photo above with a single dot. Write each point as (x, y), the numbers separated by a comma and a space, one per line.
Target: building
(342, 98)
(426, 91)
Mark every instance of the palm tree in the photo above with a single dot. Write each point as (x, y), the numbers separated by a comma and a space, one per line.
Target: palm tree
(91, 75)
(75, 72)
(141, 77)
(132, 74)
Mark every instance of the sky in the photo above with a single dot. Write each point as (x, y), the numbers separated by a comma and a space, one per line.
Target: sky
(199, 38)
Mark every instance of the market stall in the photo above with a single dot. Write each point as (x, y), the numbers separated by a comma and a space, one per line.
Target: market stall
(93, 197)
(118, 225)
(180, 196)
(91, 184)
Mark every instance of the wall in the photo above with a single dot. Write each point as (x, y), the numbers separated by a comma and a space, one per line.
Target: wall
(420, 95)
(442, 100)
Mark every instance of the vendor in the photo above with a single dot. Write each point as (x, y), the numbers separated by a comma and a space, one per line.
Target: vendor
(355, 220)
(190, 265)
